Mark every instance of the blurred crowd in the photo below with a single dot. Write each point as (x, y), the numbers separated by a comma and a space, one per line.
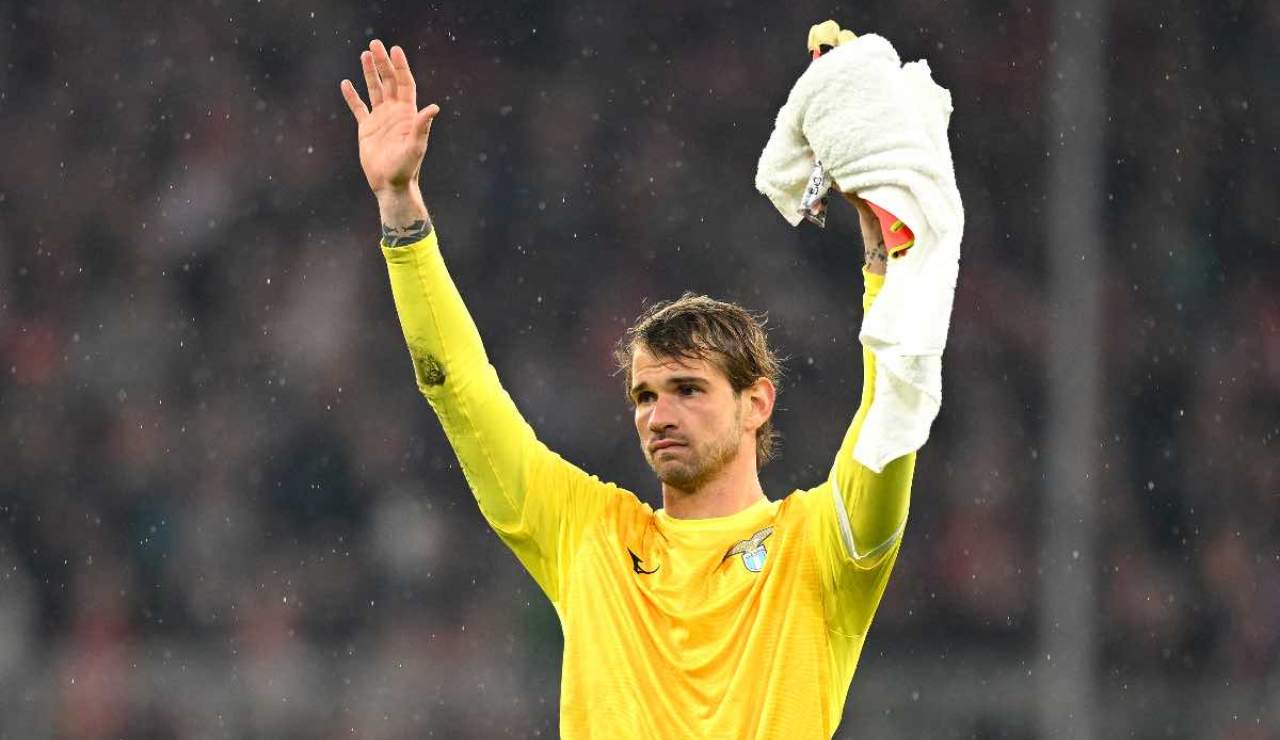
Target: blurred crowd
(226, 512)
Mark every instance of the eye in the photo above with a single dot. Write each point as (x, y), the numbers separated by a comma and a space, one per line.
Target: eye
(689, 390)
(644, 397)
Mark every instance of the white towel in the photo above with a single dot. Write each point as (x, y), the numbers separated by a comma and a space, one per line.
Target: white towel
(880, 130)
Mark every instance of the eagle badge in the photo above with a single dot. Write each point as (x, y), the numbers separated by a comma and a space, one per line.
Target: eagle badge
(752, 550)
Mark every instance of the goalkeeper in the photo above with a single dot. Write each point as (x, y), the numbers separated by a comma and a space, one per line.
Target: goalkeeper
(724, 613)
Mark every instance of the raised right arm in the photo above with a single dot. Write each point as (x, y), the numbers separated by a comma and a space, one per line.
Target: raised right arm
(537, 503)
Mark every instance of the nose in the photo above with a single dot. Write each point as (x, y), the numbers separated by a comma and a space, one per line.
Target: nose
(661, 418)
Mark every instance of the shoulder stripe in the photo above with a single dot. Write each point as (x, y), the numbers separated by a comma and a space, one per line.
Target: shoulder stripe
(846, 529)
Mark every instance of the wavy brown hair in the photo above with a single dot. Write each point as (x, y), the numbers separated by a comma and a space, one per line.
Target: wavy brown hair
(725, 334)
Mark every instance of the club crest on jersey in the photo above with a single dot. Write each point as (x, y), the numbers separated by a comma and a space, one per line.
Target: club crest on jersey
(752, 550)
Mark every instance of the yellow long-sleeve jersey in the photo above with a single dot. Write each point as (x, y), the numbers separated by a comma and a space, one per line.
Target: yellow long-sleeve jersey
(745, 626)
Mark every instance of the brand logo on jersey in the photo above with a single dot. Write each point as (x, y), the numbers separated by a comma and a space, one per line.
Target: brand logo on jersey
(752, 550)
(635, 564)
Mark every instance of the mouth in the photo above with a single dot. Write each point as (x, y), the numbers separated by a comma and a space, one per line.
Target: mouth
(662, 444)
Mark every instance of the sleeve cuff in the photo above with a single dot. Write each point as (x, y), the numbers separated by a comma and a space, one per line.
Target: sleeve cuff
(409, 252)
(871, 285)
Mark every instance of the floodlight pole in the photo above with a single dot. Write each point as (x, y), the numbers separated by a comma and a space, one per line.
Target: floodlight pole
(1066, 662)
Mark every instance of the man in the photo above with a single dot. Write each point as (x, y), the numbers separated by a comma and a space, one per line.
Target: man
(723, 614)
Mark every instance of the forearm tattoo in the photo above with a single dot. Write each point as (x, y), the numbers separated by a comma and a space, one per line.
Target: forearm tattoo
(399, 236)
(876, 252)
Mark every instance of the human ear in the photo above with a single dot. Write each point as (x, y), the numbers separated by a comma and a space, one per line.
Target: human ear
(759, 397)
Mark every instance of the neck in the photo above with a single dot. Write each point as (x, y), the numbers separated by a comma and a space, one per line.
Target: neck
(735, 488)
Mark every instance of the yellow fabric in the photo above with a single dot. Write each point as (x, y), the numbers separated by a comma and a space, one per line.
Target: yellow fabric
(828, 33)
(670, 631)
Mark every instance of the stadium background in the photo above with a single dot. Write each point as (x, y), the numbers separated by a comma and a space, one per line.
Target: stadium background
(226, 512)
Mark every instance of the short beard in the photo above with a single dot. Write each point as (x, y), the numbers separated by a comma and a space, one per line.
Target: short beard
(698, 471)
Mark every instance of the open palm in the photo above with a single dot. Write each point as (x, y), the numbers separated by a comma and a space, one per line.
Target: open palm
(391, 130)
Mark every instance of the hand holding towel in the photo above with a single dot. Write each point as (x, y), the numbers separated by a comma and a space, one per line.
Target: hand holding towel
(879, 130)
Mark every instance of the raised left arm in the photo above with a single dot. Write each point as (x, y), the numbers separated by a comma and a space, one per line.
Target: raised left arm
(876, 255)
(871, 507)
